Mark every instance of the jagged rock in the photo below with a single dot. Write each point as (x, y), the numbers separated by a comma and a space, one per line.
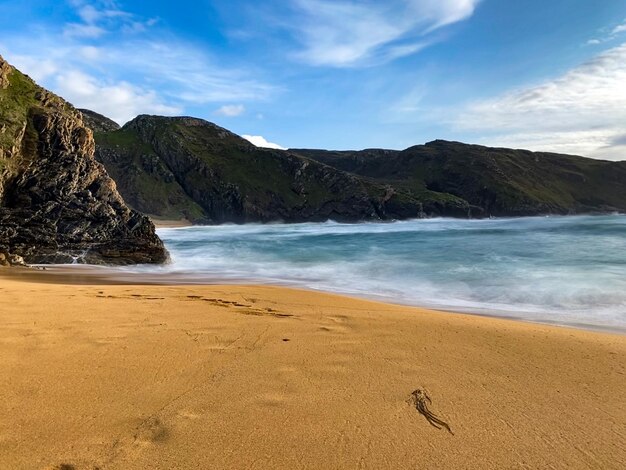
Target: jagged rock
(16, 260)
(57, 203)
(7, 259)
(97, 122)
(5, 70)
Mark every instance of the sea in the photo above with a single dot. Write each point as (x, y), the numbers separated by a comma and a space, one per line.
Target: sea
(567, 270)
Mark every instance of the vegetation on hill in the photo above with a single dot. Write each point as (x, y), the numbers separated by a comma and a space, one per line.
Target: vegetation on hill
(502, 182)
(189, 168)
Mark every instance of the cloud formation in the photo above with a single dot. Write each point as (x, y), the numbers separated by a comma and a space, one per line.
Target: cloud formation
(619, 29)
(608, 36)
(260, 141)
(119, 101)
(99, 17)
(231, 110)
(582, 112)
(114, 63)
(349, 33)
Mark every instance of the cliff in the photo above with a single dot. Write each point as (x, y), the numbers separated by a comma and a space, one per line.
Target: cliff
(57, 203)
(501, 181)
(188, 167)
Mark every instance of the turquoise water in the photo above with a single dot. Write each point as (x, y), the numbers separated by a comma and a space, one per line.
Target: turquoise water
(569, 270)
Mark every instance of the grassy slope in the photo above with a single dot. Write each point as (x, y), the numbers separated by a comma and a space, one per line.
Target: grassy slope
(144, 180)
(172, 166)
(264, 174)
(503, 181)
(220, 171)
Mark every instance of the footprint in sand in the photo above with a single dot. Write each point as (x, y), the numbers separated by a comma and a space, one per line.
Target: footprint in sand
(190, 415)
(271, 400)
(152, 431)
(242, 308)
(69, 466)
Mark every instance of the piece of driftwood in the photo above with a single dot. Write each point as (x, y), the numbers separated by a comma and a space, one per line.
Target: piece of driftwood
(421, 400)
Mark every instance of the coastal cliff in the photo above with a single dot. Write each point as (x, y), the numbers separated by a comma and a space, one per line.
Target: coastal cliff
(57, 203)
(176, 168)
(184, 167)
(501, 181)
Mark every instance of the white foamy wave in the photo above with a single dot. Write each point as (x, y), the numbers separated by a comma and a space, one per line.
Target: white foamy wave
(557, 269)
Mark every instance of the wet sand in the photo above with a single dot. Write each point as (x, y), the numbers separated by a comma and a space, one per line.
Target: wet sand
(168, 223)
(127, 376)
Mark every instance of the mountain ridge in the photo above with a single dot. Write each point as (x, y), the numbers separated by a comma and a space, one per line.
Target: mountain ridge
(439, 178)
(221, 177)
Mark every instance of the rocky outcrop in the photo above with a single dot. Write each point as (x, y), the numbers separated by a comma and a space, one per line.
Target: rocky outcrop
(97, 122)
(7, 259)
(5, 70)
(57, 203)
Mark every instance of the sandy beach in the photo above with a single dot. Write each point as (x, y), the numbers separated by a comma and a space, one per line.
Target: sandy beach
(167, 223)
(159, 377)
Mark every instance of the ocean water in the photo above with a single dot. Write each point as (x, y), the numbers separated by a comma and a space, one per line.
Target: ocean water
(564, 270)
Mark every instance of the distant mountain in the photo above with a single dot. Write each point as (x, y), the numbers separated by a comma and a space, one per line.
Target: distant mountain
(185, 167)
(502, 182)
(57, 203)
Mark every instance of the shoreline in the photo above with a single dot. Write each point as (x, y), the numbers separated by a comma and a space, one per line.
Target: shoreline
(170, 223)
(135, 376)
(93, 275)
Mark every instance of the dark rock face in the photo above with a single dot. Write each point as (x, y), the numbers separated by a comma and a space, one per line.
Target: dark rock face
(494, 181)
(57, 203)
(188, 167)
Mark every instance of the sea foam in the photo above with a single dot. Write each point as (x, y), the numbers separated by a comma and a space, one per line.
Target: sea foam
(569, 270)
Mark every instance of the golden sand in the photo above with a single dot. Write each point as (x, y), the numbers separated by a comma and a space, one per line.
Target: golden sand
(136, 377)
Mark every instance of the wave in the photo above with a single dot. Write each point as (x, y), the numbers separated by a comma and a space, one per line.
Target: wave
(558, 269)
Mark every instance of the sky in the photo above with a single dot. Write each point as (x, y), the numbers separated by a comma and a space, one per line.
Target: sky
(343, 74)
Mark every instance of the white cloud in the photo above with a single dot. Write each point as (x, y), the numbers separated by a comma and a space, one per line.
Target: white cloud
(184, 72)
(131, 60)
(260, 141)
(231, 110)
(38, 68)
(98, 18)
(608, 36)
(583, 111)
(351, 33)
(89, 14)
(90, 52)
(619, 29)
(83, 30)
(116, 99)
(119, 101)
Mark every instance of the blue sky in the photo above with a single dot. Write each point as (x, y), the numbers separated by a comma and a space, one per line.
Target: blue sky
(343, 74)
